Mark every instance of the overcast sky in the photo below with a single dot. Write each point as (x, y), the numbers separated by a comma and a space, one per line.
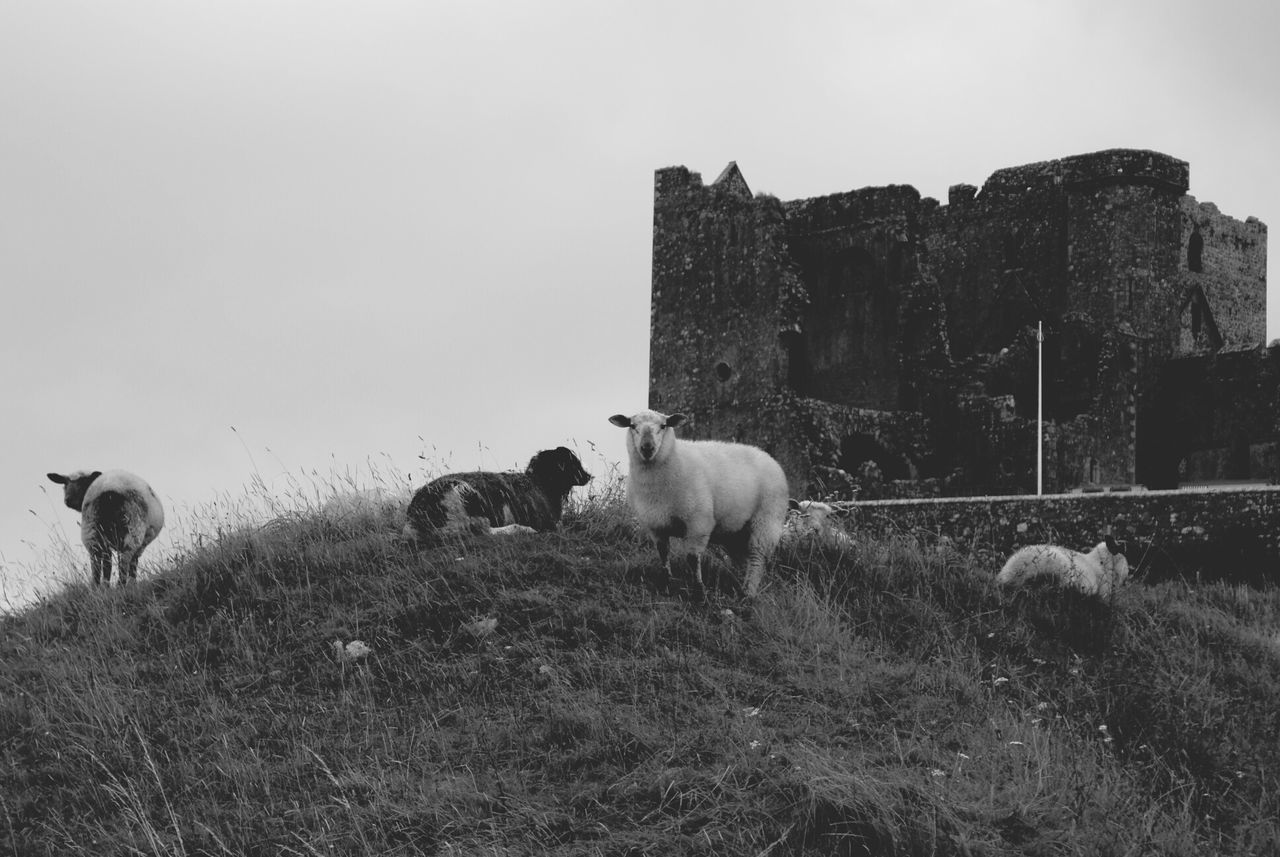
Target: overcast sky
(365, 232)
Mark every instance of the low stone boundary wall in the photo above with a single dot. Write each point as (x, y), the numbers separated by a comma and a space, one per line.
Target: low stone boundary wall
(1231, 534)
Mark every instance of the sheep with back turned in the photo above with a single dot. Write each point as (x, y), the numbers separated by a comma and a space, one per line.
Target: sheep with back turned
(704, 491)
(118, 512)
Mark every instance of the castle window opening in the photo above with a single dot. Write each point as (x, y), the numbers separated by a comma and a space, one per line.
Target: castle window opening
(1195, 251)
(793, 347)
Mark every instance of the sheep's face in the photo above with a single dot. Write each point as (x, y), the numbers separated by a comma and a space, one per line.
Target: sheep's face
(558, 469)
(811, 517)
(74, 485)
(1120, 568)
(814, 511)
(648, 432)
(1111, 555)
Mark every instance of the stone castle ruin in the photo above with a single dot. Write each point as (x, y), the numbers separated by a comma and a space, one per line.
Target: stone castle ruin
(881, 344)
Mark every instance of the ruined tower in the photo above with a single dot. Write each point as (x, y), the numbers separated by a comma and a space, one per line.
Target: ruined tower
(881, 343)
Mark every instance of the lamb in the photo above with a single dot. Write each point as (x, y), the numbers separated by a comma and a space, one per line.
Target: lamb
(497, 503)
(704, 491)
(1098, 572)
(813, 519)
(118, 512)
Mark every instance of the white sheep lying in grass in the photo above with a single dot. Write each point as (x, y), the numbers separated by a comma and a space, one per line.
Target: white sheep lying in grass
(704, 491)
(814, 520)
(118, 512)
(1098, 572)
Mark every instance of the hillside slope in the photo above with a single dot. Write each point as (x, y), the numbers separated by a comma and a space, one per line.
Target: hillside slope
(540, 695)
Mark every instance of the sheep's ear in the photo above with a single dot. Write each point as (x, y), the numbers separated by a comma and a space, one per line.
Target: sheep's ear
(675, 420)
(793, 504)
(620, 421)
(58, 477)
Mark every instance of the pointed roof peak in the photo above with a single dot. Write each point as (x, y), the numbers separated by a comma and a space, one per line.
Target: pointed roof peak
(731, 180)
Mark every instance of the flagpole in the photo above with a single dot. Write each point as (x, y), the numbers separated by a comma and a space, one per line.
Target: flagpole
(1039, 408)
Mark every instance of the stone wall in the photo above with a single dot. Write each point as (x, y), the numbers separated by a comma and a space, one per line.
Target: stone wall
(723, 291)
(1213, 534)
(856, 255)
(1226, 260)
(1213, 417)
(878, 301)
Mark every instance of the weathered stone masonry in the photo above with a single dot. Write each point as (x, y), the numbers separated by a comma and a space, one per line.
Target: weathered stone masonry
(881, 344)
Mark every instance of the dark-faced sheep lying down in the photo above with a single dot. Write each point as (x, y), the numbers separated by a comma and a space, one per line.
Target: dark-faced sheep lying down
(497, 503)
(118, 512)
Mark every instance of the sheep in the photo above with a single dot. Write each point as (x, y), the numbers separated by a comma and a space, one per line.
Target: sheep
(704, 491)
(118, 512)
(497, 503)
(1098, 572)
(813, 519)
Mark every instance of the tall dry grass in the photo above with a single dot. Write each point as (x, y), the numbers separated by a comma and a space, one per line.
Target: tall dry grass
(539, 695)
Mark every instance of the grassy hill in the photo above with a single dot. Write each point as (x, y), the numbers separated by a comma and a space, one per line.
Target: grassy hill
(540, 695)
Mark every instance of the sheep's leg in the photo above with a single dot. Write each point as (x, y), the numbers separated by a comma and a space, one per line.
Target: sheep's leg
(100, 562)
(699, 589)
(479, 525)
(511, 530)
(766, 532)
(128, 562)
(698, 546)
(663, 544)
(753, 568)
(755, 571)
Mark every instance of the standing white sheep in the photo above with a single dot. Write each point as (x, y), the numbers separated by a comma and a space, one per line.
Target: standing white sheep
(704, 491)
(1097, 572)
(118, 512)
